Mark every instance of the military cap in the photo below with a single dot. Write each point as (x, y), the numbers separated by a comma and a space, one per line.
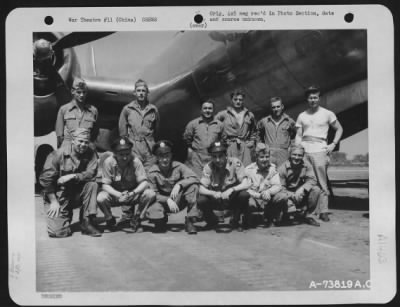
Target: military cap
(162, 147)
(79, 83)
(261, 147)
(217, 146)
(312, 90)
(81, 132)
(121, 143)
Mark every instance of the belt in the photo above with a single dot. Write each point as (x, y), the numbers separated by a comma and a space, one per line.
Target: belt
(313, 139)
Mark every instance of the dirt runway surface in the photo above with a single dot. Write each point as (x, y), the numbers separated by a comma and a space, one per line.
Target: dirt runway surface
(289, 257)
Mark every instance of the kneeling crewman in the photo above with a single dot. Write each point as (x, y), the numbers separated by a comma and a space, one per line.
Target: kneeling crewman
(222, 188)
(264, 185)
(68, 177)
(124, 183)
(176, 187)
(299, 186)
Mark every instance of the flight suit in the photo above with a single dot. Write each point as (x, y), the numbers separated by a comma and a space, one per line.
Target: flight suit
(221, 180)
(293, 178)
(70, 118)
(82, 190)
(140, 127)
(125, 179)
(199, 135)
(277, 136)
(163, 185)
(240, 138)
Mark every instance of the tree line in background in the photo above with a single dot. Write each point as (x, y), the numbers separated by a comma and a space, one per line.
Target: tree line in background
(340, 158)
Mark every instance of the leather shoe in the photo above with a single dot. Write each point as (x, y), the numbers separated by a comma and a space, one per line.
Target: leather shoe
(324, 217)
(88, 229)
(189, 227)
(311, 221)
(135, 224)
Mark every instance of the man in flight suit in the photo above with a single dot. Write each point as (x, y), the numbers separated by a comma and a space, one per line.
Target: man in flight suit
(68, 177)
(277, 130)
(222, 188)
(139, 121)
(239, 129)
(76, 114)
(176, 187)
(199, 134)
(124, 183)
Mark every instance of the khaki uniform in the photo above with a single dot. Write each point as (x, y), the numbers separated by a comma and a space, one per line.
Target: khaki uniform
(199, 135)
(163, 185)
(82, 191)
(140, 127)
(314, 201)
(240, 138)
(125, 179)
(70, 118)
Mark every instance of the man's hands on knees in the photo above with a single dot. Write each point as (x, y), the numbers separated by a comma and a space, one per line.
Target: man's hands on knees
(66, 178)
(173, 207)
(175, 191)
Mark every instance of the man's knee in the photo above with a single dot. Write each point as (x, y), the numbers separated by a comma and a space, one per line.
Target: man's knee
(103, 197)
(91, 186)
(58, 227)
(155, 211)
(148, 195)
(281, 197)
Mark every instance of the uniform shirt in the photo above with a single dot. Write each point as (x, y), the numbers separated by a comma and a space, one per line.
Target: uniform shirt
(232, 129)
(123, 179)
(293, 178)
(259, 183)
(200, 134)
(65, 161)
(70, 117)
(163, 185)
(138, 124)
(220, 180)
(276, 135)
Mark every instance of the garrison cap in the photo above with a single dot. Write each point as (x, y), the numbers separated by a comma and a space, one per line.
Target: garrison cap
(121, 143)
(79, 83)
(260, 147)
(217, 146)
(312, 90)
(81, 132)
(162, 147)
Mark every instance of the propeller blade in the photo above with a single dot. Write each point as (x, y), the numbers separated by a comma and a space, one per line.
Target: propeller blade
(78, 38)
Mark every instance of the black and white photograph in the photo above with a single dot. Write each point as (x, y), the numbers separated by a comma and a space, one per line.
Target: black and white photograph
(201, 160)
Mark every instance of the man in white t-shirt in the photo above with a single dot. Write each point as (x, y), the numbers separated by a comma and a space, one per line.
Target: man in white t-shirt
(312, 131)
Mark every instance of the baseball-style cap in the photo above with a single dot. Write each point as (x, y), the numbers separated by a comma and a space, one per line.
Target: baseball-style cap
(312, 89)
(162, 147)
(81, 133)
(121, 143)
(217, 146)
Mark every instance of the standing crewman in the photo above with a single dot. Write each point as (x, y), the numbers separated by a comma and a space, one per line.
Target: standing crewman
(239, 128)
(68, 177)
(139, 121)
(176, 187)
(277, 130)
(264, 184)
(222, 188)
(299, 187)
(124, 183)
(312, 132)
(199, 134)
(76, 114)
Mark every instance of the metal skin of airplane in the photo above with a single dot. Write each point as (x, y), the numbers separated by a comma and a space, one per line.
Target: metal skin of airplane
(198, 65)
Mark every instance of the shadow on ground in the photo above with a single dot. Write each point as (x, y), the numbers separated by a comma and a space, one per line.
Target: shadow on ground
(349, 203)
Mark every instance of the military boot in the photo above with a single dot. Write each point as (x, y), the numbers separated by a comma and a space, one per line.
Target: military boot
(88, 228)
(160, 225)
(135, 224)
(189, 226)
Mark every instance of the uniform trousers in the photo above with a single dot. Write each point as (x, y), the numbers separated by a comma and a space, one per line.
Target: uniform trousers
(83, 194)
